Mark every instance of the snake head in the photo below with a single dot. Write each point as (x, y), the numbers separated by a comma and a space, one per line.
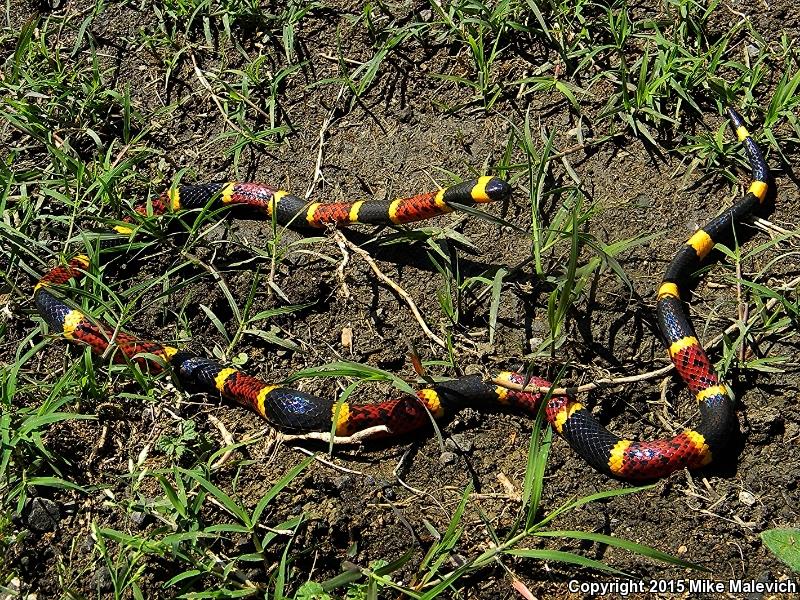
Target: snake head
(195, 371)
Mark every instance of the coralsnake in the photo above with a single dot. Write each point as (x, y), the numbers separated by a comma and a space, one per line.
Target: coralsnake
(296, 411)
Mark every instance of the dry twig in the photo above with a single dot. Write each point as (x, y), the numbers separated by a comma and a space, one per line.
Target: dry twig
(322, 131)
(400, 291)
(341, 267)
(614, 381)
(214, 97)
(227, 438)
(324, 436)
(327, 463)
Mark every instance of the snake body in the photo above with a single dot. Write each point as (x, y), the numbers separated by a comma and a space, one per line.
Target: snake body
(296, 411)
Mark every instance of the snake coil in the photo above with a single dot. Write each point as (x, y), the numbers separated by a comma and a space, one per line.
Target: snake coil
(295, 411)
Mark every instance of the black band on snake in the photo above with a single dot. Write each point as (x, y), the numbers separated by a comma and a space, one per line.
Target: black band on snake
(294, 411)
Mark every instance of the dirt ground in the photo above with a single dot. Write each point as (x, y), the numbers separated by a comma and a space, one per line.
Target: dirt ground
(375, 501)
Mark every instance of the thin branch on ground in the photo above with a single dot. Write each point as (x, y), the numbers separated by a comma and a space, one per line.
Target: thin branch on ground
(341, 267)
(332, 58)
(227, 437)
(327, 463)
(615, 381)
(320, 150)
(400, 291)
(586, 387)
(324, 436)
(771, 228)
(214, 97)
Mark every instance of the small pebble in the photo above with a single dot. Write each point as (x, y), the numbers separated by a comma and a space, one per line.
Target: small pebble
(342, 483)
(406, 115)
(765, 425)
(747, 498)
(43, 514)
(347, 338)
(448, 458)
(103, 578)
(460, 442)
(473, 369)
(14, 585)
(468, 418)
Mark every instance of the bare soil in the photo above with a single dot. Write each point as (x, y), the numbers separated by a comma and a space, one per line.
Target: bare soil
(396, 141)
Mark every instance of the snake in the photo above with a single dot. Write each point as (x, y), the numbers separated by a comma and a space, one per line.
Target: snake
(295, 411)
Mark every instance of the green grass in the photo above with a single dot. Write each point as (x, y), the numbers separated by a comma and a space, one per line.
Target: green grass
(551, 82)
(434, 577)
